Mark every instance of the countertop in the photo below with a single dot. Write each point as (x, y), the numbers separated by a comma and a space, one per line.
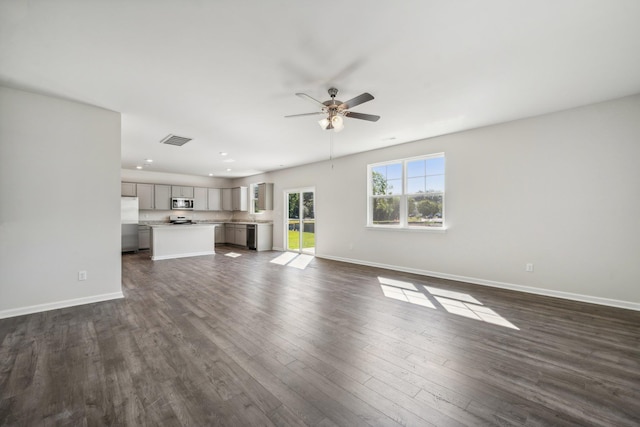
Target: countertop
(166, 224)
(163, 223)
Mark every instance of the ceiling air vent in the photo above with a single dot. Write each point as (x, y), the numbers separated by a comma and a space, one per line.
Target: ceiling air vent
(175, 140)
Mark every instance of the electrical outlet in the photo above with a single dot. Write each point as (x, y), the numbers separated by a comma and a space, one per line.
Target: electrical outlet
(529, 268)
(82, 275)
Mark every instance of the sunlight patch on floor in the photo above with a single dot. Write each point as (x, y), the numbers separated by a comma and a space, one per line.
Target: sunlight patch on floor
(473, 311)
(406, 295)
(397, 283)
(452, 294)
(301, 261)
(291, 259)
(457, 303)
(285, 258)
(232, 255)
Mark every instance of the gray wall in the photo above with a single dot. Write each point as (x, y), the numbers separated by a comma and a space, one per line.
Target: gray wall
(561, 191)
(59, 203)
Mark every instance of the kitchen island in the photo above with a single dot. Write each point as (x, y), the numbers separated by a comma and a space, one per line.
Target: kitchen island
(180, 241)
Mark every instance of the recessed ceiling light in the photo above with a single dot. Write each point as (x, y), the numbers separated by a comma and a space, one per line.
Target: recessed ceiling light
(222, 153)
(228, 161)
(148, 160)
(228, 169)
(138, 167)
(210, 174)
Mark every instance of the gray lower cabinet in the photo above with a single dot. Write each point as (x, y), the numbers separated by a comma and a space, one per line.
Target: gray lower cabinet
(241, 235)
(264, 237)
(144, 237)
(236, 234)
(230, 233)
(221, 237)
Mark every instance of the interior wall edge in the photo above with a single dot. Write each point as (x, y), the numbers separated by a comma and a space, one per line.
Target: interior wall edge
(21, 311)
(494, 284)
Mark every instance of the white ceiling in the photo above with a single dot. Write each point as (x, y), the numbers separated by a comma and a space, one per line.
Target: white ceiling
(225, 72)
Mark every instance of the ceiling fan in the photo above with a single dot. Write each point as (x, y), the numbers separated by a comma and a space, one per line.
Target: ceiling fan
(335, 110)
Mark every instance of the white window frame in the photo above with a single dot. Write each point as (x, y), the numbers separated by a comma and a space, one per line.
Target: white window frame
(403, 195)
(252, 199)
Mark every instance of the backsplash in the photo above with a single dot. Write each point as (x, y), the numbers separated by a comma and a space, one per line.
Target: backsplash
(145, 216)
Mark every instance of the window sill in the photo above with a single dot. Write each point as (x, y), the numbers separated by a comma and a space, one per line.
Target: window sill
(409, 229)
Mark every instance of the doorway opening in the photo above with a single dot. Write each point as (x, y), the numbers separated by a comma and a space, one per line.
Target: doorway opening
(301, 221)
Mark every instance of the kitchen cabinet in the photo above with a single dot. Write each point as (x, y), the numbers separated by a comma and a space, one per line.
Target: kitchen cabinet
(264, 237)
(144, 237)
(239, 199)
(265, 196)
(214, 199)
(200, 199)
(221, 237)
(145, 196)
(230, 233)
(162, 196)
(241, 235)
(128, 189)
(236, 234)
(226, 199)
(180, 191)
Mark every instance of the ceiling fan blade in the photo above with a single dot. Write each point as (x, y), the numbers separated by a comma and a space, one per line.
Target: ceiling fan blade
(360, 99)
(369, 117)
(305, 114)
(309, 98)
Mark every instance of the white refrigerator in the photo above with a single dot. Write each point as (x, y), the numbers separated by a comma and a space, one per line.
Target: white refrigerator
(129, 223)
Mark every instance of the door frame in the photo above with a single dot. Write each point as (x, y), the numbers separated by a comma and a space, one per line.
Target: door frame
(300, 190)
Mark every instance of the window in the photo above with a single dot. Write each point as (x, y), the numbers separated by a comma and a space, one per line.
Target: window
(407, 193)
(253, 195)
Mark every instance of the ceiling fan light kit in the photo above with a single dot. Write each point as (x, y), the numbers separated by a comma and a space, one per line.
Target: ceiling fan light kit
(335, 110)
(336, 123)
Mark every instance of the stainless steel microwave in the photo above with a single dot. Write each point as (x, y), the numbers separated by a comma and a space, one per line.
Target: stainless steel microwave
(181, 203)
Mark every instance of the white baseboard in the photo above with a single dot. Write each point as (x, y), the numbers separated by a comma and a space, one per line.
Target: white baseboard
(59, 304)
(511, 286)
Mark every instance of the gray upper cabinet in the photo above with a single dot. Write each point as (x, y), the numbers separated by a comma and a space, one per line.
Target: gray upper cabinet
(239, 199)
(214, 199)
(226, 199)
(265, 196)
(158, 196)
(180, 191)
(200, 199)
(162, 197)
(128, 189)
(145, 196)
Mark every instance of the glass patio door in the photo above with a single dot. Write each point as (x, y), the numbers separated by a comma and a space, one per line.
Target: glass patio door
(301, 221)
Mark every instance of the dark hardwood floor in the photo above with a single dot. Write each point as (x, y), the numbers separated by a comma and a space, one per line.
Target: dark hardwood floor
(216, 340)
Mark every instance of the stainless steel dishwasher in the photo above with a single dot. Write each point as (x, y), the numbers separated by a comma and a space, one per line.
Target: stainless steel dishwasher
(251, 236)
